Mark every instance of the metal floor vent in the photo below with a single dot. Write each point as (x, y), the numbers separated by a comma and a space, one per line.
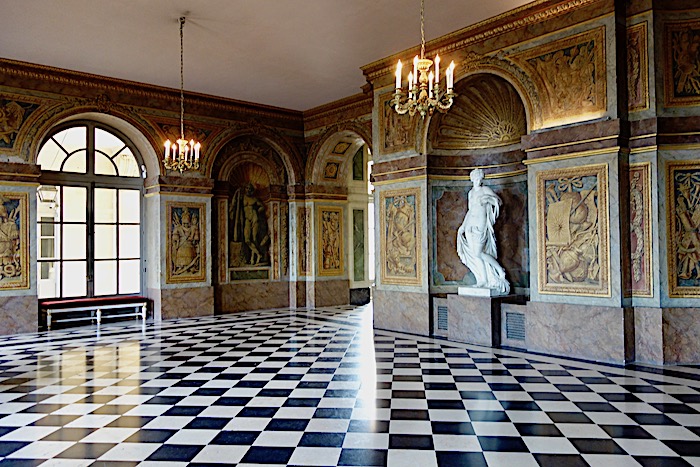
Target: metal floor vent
(442, 318)
(515, 326)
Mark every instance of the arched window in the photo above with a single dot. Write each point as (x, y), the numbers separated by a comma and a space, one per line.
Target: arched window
(89, 213)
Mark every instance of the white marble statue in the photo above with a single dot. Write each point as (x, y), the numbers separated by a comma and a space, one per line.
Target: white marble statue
(476, 242)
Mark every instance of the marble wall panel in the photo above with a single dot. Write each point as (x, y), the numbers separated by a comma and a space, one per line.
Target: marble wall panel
(450, 206)
(331, 292)
(580, 331)
(681, 331)
(19, 314)
(648, 335)
(186, 302)
(246, 296)
(358, 244)
(469, 319)
(402, 311)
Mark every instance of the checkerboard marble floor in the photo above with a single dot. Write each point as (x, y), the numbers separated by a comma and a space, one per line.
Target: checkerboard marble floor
(320, 387)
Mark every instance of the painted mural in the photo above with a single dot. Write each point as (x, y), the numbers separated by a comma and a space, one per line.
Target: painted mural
(396, 131)
(249, 238)
(683, 228)
(330, 236)
(640, 280)
(185, 252)
(303, 233)
(400, 245)
(12, 115)
(637, 67)
(682, 66)
(570, 75)
(572, 231)
(14, 241)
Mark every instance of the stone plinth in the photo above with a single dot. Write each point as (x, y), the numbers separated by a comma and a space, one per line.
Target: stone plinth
(402, 311)
(470, 319)
(478, 292)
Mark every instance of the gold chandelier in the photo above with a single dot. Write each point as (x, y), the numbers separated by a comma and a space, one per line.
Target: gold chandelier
(424, 94)
(182, 155)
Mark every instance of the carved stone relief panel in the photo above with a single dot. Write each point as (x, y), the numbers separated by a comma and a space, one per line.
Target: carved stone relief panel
(570, 75)
(572, 231)
(639, 282)
(330, 241)
(14, 240)
(682, 64)
(399, 236)
(683, 228)
(185, 249)
(397, 132)
(637, 67)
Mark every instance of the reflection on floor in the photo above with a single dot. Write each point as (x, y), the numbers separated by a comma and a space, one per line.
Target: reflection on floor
(321, 387)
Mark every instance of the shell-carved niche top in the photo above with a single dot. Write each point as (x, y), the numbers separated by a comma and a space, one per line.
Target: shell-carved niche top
(487, 113)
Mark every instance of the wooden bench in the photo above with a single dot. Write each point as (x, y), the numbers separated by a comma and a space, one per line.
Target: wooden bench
(99, 307)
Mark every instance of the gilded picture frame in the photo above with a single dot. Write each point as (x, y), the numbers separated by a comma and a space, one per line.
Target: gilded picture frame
(185, 245)
(639, 274)
(14, 241)
(573, 256)
(330, 240)
(683, 228)
(400, 239)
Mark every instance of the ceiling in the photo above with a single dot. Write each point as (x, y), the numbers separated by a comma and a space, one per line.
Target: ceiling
(295, 54)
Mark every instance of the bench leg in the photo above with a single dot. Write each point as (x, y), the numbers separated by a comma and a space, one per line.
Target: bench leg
(99, 316)
(48, 320)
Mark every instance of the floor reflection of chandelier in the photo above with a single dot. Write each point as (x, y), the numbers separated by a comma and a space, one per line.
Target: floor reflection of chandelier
(424, 94)
(182, 155)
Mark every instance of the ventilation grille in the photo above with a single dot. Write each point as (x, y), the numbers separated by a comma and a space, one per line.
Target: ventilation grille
(442, 318)
(515, 326)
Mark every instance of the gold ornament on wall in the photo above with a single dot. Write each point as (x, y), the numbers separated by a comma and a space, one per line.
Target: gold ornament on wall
(185, 250)
(399, 236)
(682, 64)
(330, 241)
(637, 67)
(14, 241)
(640, 281)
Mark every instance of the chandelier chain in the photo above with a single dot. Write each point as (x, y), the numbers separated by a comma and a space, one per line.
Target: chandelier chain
(422, 30)
(182, 80)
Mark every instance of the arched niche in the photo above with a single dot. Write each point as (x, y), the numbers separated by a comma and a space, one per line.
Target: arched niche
(483, 129)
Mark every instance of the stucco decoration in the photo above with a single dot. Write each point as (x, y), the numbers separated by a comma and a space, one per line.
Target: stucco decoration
(341, 147)
(570, 75)
(185, 250)
(637, 67)
(572, 231)
(639, 282)
(330, 241)
(400, 243)
(14, 241)
(476, 239)
(331, 170)
(682, 64)
(396, 132)
(683, 228)
(303, 233)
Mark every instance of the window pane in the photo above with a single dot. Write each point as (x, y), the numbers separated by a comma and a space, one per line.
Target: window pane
(129, 206)
(49, 282)
(47, 230)
(127, 164)
(105, 277)
(72, 138)
(129, 276)
(51, 156)
(105, 241)
(74, 279)
(129, 241)
(76, 162)
(103, 165)
(47, 248)
(74, 246)
(105, 205)
(74, 202)
(107, 142)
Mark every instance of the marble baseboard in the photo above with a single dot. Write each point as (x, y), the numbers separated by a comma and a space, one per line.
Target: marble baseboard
(648, 335)
(19, 314)
(579, 331)
(402, 311)
(185, 302)
(469, 319)
(681, 335)
(248, 296)
(331, 293)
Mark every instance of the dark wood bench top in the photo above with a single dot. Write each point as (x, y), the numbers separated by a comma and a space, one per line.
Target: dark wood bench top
(92, 301)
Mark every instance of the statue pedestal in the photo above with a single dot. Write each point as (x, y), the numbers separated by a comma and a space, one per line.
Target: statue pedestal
(478, 292)
(474, 319)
